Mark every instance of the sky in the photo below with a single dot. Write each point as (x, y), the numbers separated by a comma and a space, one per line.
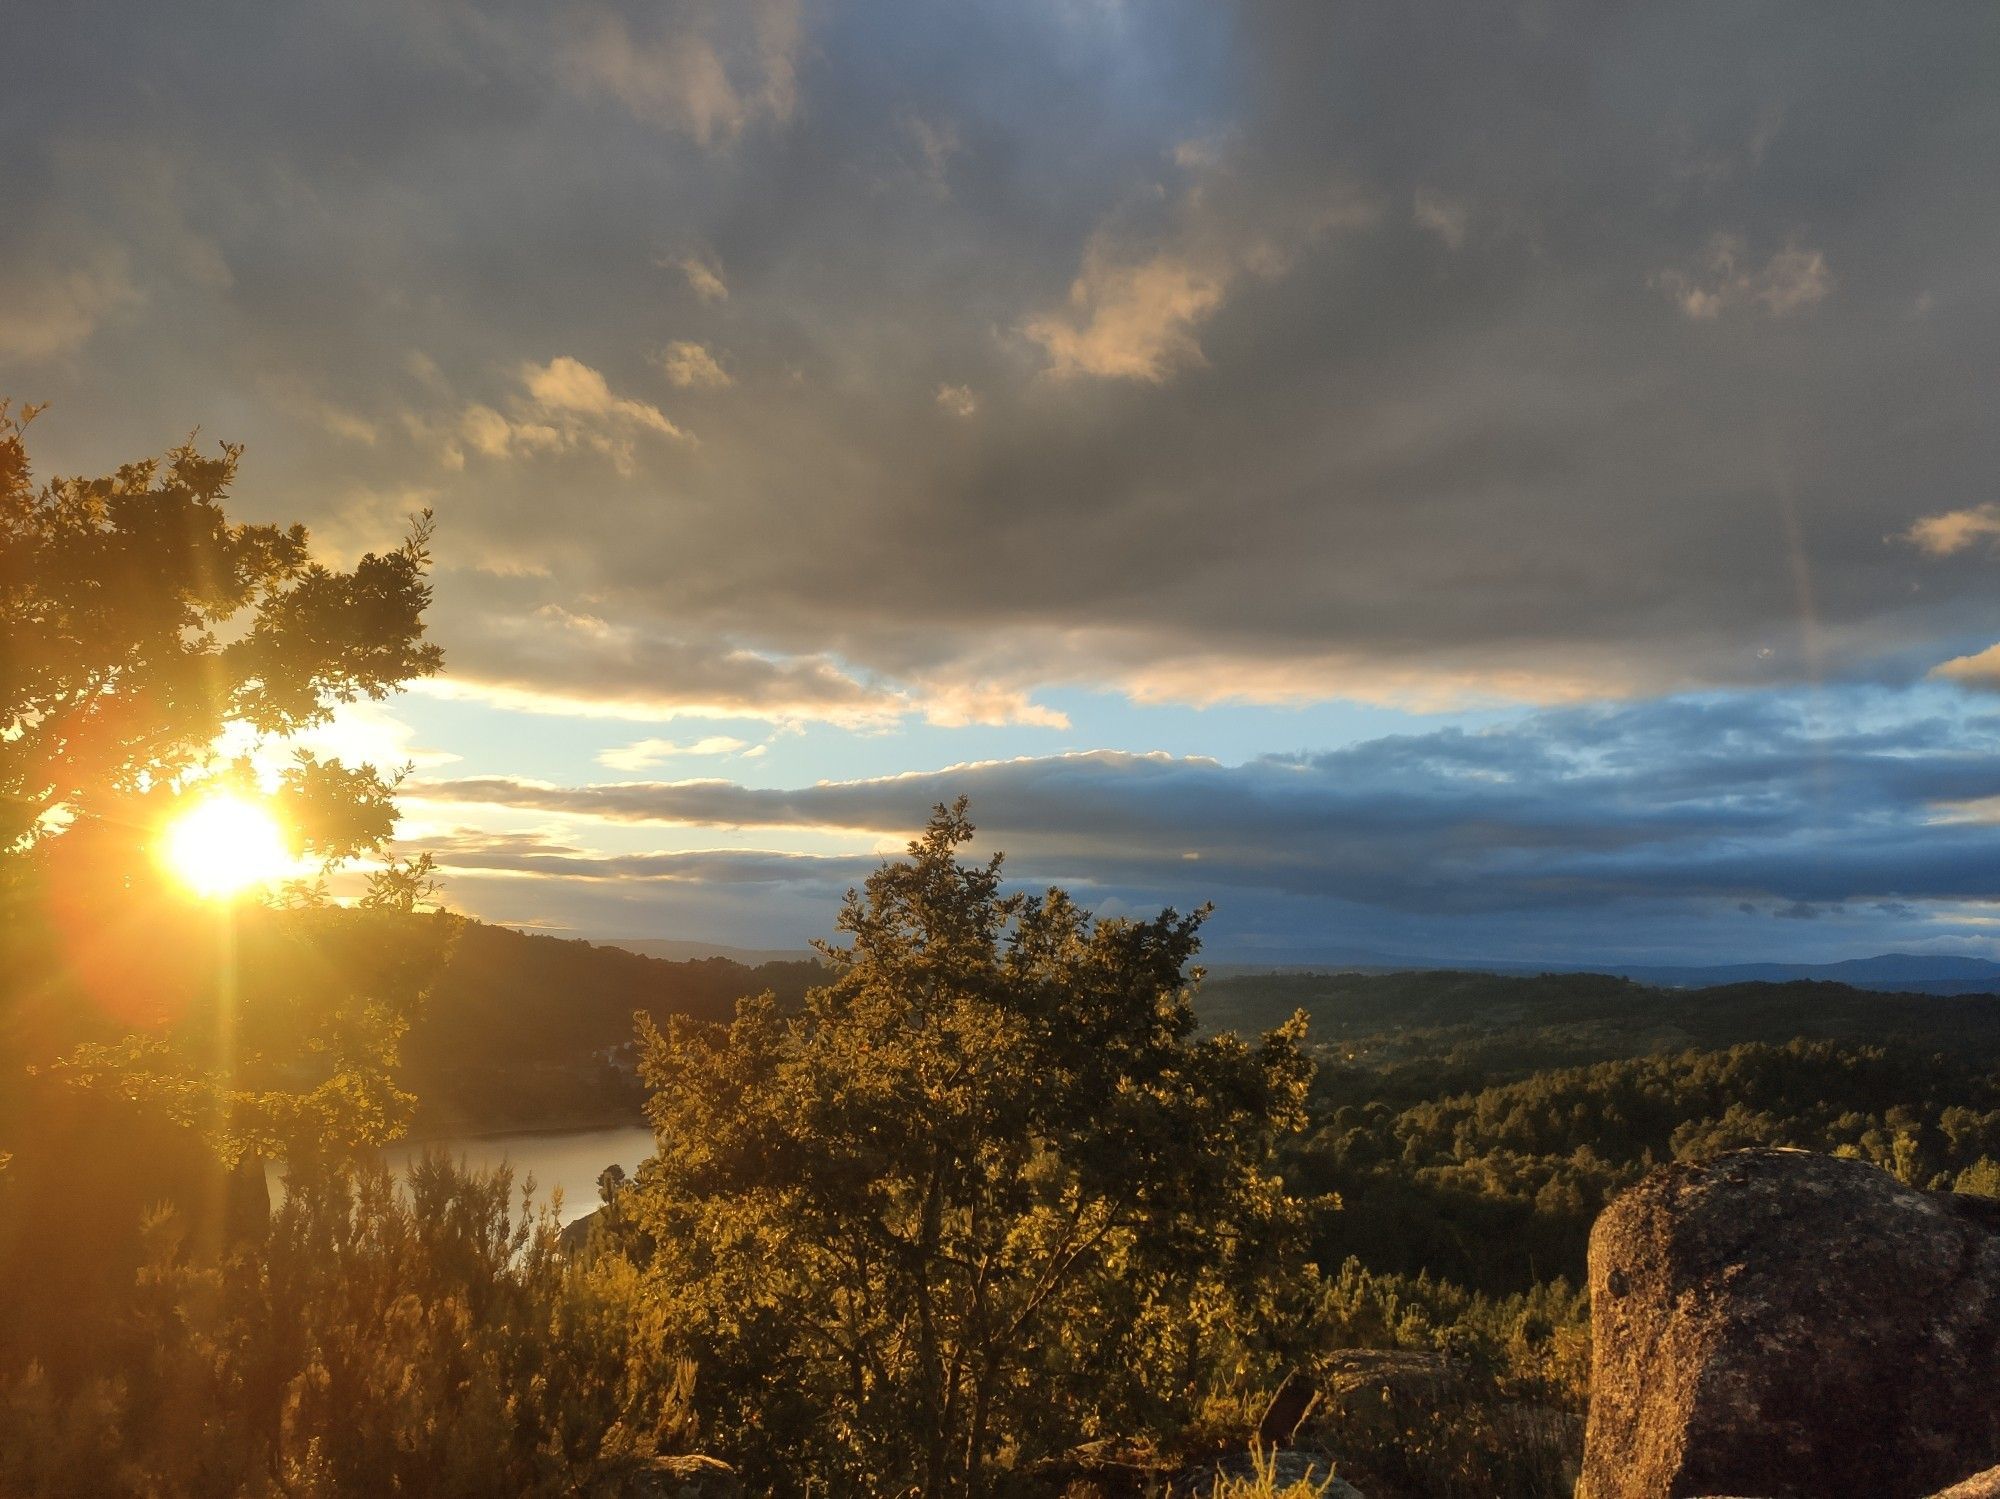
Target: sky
(1447, 482)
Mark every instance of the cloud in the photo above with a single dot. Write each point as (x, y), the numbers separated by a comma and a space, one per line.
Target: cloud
(1954, 530)
(704, 276)
(936, 142)
(957, 399)
(52, 307)
(643, 753)
(366, 733)
(1131, 320)
(349, 425)
(471, 851)
(1259, 455)
(1979, 670)
(689, 364)
(556, 660)
(711, 68)
(1792, 280)
(566, 405)
(1713, 802)
(569, 386)
(1448, 218)
(370, 520)
(1212, 678)
(1137, 300)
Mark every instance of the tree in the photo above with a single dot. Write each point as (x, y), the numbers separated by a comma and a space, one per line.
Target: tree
(141, 630)
(371, 1336)
(140, 621)
(945, 1210)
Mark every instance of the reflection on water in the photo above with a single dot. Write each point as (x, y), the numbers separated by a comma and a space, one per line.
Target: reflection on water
(568, 1159)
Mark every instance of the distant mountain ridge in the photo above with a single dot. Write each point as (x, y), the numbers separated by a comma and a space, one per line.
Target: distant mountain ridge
(1930, 973)
(1509, 1025)
(684, 950)
(1893, 973)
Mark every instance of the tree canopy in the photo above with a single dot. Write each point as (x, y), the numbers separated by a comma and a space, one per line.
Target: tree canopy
(152, 650)
(140, 622)
(971, 1196)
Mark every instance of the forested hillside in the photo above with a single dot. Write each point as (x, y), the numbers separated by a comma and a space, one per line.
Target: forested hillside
(1473, 1124)
(1494, 1026)
(523, 1031)
(530, 1031)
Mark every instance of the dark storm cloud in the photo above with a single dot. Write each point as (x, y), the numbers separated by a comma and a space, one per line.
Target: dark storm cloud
(1267, 350)
(1717, 801)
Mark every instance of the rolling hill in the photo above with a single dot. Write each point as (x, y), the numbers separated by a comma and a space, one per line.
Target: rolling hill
(1509, 1023)
(526, 1032)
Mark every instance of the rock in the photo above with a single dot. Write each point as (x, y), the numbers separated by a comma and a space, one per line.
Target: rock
(1979, 1486)
(1785, 1324)
(1110, 1468)
(1289, 1407)
(1418, 1422)
(691, 1475)
(1400, 1376)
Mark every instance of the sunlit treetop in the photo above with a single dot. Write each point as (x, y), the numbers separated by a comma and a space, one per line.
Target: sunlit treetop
(137, 621)
(142, 630)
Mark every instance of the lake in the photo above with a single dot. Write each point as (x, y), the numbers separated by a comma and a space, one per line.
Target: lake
(570, 1159)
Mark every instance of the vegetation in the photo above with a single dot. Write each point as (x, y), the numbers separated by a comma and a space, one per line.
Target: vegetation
(565, 1058)
(143, 630)
(986, 1194)
(427, 1339)
(976, 1208)
(157, 1045)
(1476, 1154)
(1446, 1031)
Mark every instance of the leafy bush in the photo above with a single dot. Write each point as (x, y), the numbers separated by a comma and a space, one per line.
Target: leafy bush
(424, 1338)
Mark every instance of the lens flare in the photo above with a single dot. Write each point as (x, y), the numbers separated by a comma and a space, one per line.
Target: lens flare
(224, 845)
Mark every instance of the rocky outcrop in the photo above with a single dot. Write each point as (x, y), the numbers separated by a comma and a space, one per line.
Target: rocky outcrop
(1407, 1378)
(1783, 1324)
(1979, 1486)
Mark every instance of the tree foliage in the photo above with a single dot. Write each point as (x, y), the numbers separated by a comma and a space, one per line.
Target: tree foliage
(152, 649)
(1496, 1187)
(149, 644)
(140, 621)
(951, 1197)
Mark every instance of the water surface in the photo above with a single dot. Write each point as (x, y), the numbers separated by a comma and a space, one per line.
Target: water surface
(569, 1159)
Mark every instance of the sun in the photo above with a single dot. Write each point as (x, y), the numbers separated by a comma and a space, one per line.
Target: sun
(224, 845)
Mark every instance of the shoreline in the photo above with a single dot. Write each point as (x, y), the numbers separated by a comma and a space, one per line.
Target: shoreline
(510, 1132)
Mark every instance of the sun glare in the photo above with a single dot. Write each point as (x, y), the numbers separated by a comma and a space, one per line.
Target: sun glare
(224, 845)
